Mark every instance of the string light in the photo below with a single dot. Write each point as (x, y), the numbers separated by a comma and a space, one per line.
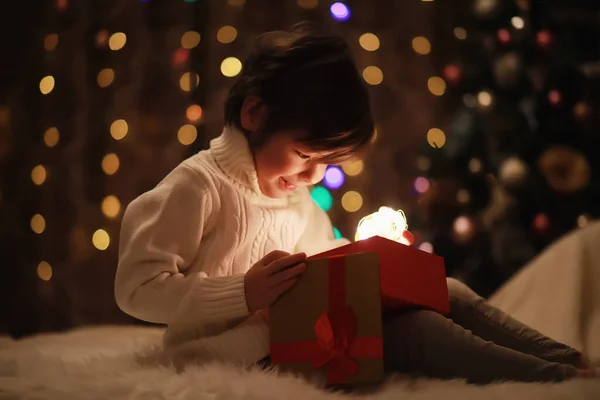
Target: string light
(50, 41)
(352, 201)
(460, 33)
(436, 138)
(110, 164)
(187, 134)
(436, 85)
(189, 81)
(421, 45)
(101, 239)
(369, 41)
(373, 75)
(117, 41)
(51, 137)
(194, 113)
(334, 177)
(111, 206)
(386, 222)
(38, 224)
(190, 39)
(47, 84)
(517, 22)
(105, 77)
(226, 34)
(38, 175)
(353, 168)
(44, 271)
(308, 4)
(322, 197)
(119, 129)
(231, 67)
(340, 11)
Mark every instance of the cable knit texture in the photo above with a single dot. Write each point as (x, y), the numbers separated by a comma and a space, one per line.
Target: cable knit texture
(186, 245)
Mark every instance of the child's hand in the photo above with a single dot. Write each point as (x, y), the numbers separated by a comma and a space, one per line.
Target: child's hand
(270, 277)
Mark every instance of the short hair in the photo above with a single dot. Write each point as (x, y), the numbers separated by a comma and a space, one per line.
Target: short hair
(308, 81)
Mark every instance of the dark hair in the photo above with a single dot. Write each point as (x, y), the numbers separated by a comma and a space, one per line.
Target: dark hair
(308, 81)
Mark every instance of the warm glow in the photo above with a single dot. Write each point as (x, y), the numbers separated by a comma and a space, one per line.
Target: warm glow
(436, 138)
(117, 41)
(226, 34)
(354, 168)
(352, 201)
(190, 39)
(50, 41)
(51, 137)
(44, 271)
(308, 4)
(110, 164)
(369, 42)
(38, 224)
(38, 174)
(189, 81)
(101, 240)
(187, 134)
(231, 66)
(386, 223)
(106, 77)
(47, 84)
(119, 129)
(436, 85)
(194, 113)
(373, 75)
(111, 206)
(421, 45)
(460, 33)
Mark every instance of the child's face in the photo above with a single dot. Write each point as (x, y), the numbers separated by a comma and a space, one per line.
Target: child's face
(283, 164)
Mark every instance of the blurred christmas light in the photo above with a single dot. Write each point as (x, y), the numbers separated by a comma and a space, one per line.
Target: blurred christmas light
(189, 81)
(436, 138)
(484, 99)
(226, 34)
(421, 45)
(110, 164)
(513, 172)
(102, 38)
(517, 22)
(543, 38)
(463, 197)
(340, 11)
(181, 57)
(582, 110)
(426, 247)
(62, 5)
(236, 3)
(469, 100)
(231, 67)
(322, 197)
(334, 177)
(485, 8)
(336, 233)
(38, 224)
(117, 41)
(386, 222)
(369, 41)
(101, 239)
(308, 4)
(475, 165)
(190, 39)
(460, 33)
(38, 175)
(44, 271)
(353, 168)
(50, 41)
(47, 84)
(421, 184)
(105, 77)
(373, 75)
(111, 206)
(464, 229)
(119, 129)
(423, 163)
(187, 134)
(436, 85)
(51, 137)
(452, 73)
(352, 201)
(541, 223)
(194, 113)
(504, 36)
(554, 97)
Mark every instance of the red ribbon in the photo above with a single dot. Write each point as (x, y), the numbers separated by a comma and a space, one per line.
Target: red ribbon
(336, 345)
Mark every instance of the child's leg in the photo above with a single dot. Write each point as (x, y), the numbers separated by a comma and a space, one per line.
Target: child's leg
(472, 312)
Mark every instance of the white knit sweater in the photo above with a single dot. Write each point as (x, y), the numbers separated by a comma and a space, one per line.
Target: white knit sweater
(186, 245)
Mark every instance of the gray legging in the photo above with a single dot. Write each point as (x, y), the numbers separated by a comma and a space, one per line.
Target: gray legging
(477, 342)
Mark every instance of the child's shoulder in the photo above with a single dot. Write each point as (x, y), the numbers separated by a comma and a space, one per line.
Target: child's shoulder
(197, 170)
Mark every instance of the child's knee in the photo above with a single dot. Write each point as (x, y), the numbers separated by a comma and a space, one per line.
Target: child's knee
(417, 323)
(458, 290)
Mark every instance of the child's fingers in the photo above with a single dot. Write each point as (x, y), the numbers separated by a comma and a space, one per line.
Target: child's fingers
(273, 256)
(287, 274)
(284, 262)
(283, 287)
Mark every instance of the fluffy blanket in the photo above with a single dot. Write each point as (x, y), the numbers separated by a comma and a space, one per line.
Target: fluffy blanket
(555, 294)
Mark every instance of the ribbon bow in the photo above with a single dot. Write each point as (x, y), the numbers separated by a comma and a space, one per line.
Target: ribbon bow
(335, 332)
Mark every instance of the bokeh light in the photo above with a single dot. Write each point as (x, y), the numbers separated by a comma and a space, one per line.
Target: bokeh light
(336, 233)
(436, 138)
(322, 197)
(38, 174)
(226, 34)
(436, 85)
(189, 81)
(110, 164)
(353, 168)
(426, 247)
(484, 99)
(194, 113)
(464, 229)
(421, 45)
(51, 137)
(504, 36)
(105, 77)
(50, 41)
(373, 75)
(352, 201)
(47, 84)
(231, 66)
(554, 97)
(334, 177)
(369, 41)
(236, 3)
(308, 4)
(38, 224)
(119, 129)
(181, 57)
(62, 5)
(187, 134)
(517, 22)
(101, 239)
(44, 271)
(340, 11)
(421, 184)
(475, 165)
(460, 33)
(117, 41)
(190, 39)
(111, 206)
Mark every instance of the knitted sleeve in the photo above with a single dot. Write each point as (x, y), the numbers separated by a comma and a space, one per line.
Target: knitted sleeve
(160, 236)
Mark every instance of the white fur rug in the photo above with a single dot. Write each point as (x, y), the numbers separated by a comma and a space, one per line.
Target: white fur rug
(99, 363)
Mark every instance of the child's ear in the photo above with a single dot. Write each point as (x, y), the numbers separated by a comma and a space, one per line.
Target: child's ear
(252, 114)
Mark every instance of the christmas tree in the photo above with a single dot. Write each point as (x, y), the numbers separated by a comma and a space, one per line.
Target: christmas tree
(512, 167)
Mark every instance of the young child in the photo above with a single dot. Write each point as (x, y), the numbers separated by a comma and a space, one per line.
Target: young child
(227, 231)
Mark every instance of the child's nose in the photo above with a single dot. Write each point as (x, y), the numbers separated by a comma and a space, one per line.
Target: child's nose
(313, 174)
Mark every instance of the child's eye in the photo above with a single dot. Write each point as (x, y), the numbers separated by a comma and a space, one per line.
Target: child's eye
(302, 155)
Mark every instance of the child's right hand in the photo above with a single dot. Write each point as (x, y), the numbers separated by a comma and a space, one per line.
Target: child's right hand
(272, 276)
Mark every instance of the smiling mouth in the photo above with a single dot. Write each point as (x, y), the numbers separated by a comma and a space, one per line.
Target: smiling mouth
(287, 185)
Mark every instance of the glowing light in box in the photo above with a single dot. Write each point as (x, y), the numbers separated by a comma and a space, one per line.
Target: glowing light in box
(334, 178)
(386, 223)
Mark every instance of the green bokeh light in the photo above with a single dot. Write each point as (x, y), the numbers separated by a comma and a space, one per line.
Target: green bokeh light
(322, 197)
(337, 233)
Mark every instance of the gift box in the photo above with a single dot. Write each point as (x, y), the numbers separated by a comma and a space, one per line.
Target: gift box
(328, 325)
(410, 278)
